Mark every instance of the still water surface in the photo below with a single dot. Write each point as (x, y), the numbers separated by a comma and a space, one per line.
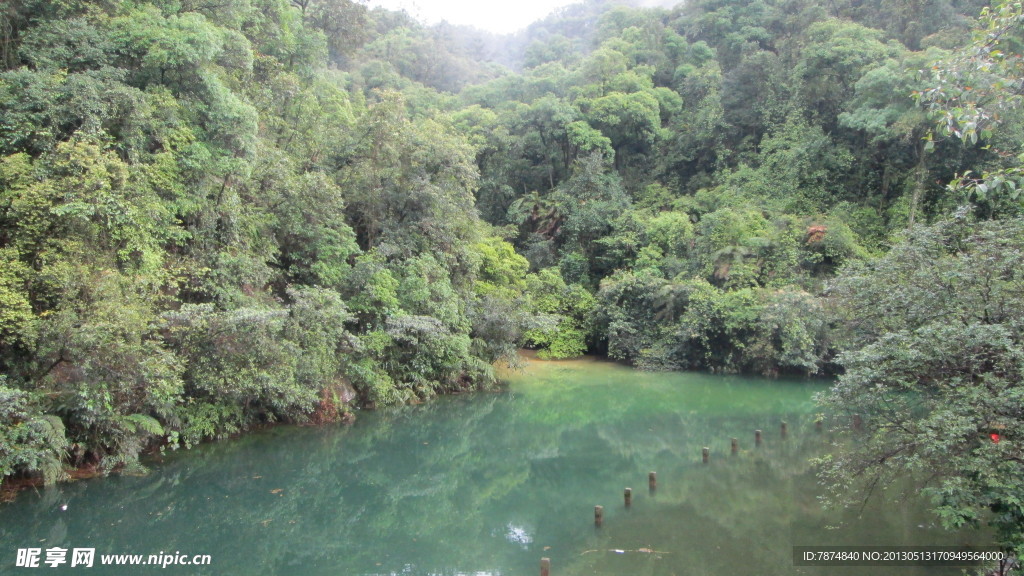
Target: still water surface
(487, 484)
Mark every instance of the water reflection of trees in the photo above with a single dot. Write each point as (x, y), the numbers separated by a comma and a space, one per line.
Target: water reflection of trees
(479, 483)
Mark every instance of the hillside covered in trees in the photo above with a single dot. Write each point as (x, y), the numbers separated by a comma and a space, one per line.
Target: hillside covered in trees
(219, 214)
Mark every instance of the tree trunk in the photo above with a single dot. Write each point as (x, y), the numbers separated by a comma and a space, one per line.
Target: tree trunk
(915, 198)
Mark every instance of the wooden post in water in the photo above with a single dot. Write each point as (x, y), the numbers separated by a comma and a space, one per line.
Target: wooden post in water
(858, 423)
(598, 516)
(735, 446)
(757, 437)
(652, 481)
(705, 453)
(545, 567)
(784, 428)
(627, 495)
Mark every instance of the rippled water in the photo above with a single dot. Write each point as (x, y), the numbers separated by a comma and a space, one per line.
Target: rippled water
(487, 484)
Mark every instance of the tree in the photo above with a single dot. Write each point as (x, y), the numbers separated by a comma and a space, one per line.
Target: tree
(833, 57)
(695, 143)
(589, 200)
(631, 121)
(570, 306)
(410, 182)
(29, 440)
(500, 311)
(343, 22)
(883, 109)
(548, 118)
(728, 246)
(983, 81)
(934, 360)
(980, 88)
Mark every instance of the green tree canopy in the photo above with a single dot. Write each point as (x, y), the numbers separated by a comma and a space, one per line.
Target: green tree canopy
(934, 362)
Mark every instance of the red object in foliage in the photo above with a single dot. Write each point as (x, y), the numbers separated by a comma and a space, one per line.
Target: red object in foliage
(994, 437)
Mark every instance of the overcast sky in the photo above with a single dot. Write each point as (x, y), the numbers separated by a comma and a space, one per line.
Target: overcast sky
(496, 16)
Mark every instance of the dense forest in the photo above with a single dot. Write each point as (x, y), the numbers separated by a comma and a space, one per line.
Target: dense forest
(217, 214)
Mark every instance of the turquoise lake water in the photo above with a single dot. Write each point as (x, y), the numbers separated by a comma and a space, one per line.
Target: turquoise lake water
(487, 484)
